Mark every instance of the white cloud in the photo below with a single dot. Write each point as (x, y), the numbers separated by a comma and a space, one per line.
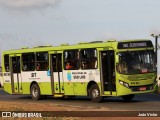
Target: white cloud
(28, 4)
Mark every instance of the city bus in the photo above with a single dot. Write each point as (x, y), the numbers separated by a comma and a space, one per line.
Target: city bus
(95, 69)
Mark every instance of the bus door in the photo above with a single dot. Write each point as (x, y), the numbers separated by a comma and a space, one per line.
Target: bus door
(16, 81)
(108, 71)
(56, 73)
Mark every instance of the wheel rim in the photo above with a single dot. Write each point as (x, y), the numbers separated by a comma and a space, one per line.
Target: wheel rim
(95, 93)
(35, 92)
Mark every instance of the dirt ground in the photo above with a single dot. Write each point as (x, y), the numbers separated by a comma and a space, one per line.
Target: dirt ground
(13, 106)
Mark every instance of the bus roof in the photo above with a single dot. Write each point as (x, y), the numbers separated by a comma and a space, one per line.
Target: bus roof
(94, 44)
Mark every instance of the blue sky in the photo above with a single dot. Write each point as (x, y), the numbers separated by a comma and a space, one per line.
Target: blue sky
(43, 22)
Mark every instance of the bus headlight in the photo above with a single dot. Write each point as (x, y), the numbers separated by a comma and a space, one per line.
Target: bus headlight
(124, 84)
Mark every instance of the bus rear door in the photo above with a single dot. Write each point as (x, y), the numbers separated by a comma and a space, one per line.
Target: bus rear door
(16, 81)
(108, 72)
(56, 73)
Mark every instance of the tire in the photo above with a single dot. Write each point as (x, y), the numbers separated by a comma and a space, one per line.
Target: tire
(128, 98)
(94, 93)
(35, 92)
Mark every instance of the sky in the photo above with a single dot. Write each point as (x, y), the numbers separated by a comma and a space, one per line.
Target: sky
(29, 23)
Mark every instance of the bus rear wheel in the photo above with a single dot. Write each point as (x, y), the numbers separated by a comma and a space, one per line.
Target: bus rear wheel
(128, 98)
(94, 93)
(35, 92)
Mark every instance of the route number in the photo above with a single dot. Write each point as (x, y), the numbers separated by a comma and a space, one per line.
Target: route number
(33, 74)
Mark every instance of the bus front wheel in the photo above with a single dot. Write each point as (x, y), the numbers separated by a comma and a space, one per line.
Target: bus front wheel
(35, 92)
(128, 98)
(94, 93)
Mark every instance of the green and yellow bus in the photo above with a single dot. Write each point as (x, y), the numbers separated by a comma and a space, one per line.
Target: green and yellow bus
(95, 69)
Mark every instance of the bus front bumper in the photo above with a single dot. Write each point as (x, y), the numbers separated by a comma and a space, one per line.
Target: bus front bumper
(122, 90)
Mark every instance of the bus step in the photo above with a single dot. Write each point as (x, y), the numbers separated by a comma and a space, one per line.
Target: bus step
(58, 95)
(16, 93)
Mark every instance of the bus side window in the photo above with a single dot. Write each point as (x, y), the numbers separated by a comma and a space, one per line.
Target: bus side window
(88, 58)
(42, 62)
(28, 61)
(6, 63)
(71, 61)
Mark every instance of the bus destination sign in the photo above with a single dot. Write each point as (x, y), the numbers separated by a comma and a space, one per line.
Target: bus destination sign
(138, 44)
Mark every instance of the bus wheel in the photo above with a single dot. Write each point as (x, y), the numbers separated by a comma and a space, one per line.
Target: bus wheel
(94, 93)
(128, 98)
(35, 92)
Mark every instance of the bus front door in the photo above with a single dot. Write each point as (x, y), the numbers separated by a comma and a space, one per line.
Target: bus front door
(16, 82)
(56, 73)
(107, 71)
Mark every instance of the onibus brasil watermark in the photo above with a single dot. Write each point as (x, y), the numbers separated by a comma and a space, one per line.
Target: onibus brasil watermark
(21, 114)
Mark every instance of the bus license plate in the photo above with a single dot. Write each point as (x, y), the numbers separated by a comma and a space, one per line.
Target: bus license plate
(142, 88)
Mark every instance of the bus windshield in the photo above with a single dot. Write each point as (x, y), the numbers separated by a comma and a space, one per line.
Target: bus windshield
(136, 62)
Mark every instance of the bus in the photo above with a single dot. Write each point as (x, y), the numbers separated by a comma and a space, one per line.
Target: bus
(95, 69)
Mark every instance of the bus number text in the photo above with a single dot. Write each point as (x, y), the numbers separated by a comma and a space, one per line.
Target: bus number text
(33, 74)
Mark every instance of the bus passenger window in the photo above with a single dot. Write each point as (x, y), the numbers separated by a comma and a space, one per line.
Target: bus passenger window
(71, 61)
(6, 62)
(88, 58)
(42, 62)
(28, 62)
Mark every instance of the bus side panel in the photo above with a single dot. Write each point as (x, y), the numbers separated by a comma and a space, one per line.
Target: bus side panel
(26, 87)
(8, 88)
(7, 82)
(80, 88)
(76, 81)
(82, 78)
(40, 77)
(45, 88)
(69, 88)
(68, 82)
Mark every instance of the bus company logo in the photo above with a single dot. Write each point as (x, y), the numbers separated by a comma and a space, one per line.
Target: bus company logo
(48, 73)
(6, 114)
(69, 76)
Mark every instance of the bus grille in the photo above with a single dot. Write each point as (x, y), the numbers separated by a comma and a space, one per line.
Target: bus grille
(142, 88)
